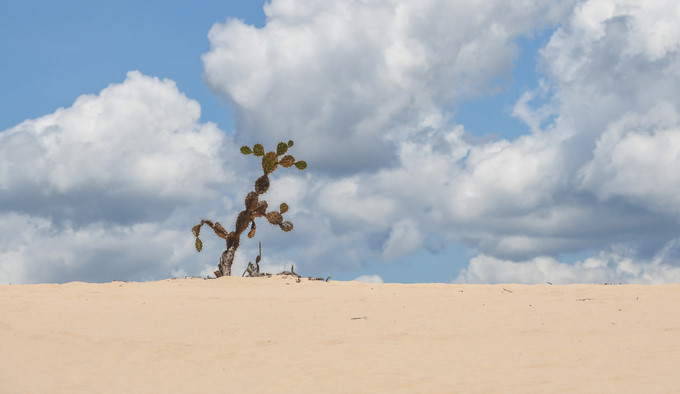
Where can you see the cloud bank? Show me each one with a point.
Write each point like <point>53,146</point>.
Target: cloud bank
<point>93,191</point>
<point>369,92</point>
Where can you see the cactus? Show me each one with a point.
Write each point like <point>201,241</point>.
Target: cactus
<point>254,208</point>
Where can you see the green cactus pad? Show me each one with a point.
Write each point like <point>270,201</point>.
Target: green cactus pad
<point>258,149</point>
<point>269,162</point>
<point>283,208</point>
<point>290,143</point>
<point>199,244</point>
<point>301,165</point>
<point>281,148</point>
<point>246,150</point>
<point>287,161</point>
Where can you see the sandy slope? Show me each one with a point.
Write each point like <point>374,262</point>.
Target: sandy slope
<point>276,335</point>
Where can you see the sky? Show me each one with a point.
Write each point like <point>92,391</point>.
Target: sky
<point>446,141</point>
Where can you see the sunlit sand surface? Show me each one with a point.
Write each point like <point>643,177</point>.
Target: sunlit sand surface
<point>279,335</point>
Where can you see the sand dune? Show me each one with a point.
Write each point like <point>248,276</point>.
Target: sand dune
<point>278,335</point>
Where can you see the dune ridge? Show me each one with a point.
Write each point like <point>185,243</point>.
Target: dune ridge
<point>276,334</point>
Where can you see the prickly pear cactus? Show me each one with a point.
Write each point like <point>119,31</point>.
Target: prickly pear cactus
<point>254,208</point>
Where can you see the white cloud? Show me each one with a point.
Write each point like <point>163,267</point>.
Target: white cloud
<point>127,154</point>
<point>405,238</point>
<point>34,249</point>
<point>613,144</point>
<point>350,80</point>
<point>342,201</point>
<point>99,190</point>
<point>367,90</point>
<point>652,25</point>
<point>614,266</point>
<point>638,158</point>
<point>533,117</point>
<point>614,57</point>
<point>518,176</point>
<point>369,279</point>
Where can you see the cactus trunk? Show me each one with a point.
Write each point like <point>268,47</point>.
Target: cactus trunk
<point>224,267</point>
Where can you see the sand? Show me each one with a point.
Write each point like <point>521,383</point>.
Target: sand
<point>277,335</point>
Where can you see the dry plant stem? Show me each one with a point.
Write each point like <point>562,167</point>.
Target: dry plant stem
<point>224,268</point>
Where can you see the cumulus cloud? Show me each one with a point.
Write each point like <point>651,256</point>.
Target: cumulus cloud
<point>637,158</point>
<point>34,249</point>
<point>128,154</point>
<point>350,79</point>
<point>368,90</point>
<point>611,58</point>
<point>614,80</point>
<point>615,266</point>
<point>369,279</point>
<point>96,191</point>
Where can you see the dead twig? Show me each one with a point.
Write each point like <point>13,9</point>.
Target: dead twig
<point>325,280</point>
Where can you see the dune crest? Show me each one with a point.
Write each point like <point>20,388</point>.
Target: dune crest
<point>275,334</point>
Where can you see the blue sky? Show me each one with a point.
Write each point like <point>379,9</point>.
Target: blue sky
<point>445,142</point>
<point>55,51</point>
